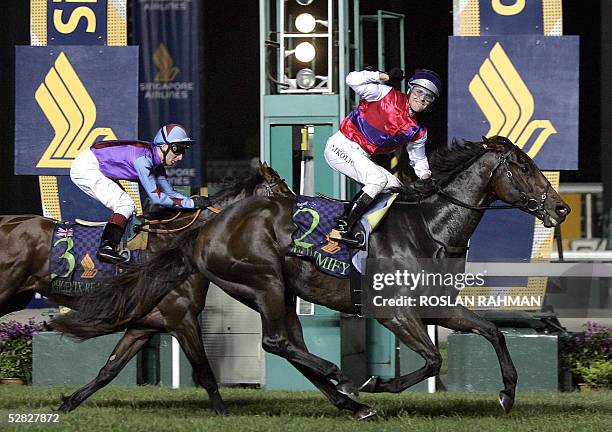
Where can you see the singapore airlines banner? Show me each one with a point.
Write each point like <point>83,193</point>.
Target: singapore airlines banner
<point>524,87</point>
<point>65,103</point>
<point>169,91</point>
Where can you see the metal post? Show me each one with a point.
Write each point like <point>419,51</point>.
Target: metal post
<point>381,40</point>
<point>263,85</point>
<point>176,363</point>
<point>589,215</point>
<point>402,53</point>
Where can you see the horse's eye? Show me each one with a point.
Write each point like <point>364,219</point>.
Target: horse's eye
<point>524,168</point>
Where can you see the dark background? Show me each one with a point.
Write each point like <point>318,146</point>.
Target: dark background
<point>230,76</point>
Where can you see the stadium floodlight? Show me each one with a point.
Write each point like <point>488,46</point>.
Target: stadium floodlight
<point>305,23</point>
<point>305,78</point>
<point>306,46</point>
<point>304,52</point>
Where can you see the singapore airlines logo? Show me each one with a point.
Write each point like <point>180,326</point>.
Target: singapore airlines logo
<point>165,64</point>
<point>64,100</point>
<point>507,103</point>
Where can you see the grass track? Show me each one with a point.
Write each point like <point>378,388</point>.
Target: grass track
<point>162,409</point>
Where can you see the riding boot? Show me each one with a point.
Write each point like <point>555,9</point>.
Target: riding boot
<point>344,230</point>
<point>111,237</point>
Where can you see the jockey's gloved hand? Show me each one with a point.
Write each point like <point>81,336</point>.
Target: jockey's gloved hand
<point>396,74</point>
<point>424,186</point>
<point>201,202</point>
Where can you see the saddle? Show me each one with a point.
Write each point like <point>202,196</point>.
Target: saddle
<point>315,217</point>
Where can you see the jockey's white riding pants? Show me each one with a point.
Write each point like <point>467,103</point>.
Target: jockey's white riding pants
<point>85,173</point>
<point>350,159</point>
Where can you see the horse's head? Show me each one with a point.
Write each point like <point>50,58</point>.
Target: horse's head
<point>517,180</point>
<point>274,184</point>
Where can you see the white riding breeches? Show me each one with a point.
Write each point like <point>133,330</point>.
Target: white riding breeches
<point>85,173</point>
<point>350,159</point>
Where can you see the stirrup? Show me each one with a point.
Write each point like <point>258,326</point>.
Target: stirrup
<point>109,255</point>
<point>352,240</point>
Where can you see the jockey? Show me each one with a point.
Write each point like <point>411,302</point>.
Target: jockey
<point>384,120</point>
<point>96,172</point>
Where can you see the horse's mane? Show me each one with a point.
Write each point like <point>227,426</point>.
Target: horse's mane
<point>445,163</point>
<point>232,186</point>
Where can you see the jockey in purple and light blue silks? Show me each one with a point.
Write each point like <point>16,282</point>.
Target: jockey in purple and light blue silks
<point>96,172</point>
<point>384,120</point>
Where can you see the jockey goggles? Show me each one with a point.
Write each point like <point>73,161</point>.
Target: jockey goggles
<point>178,147</point>
<point>422,93</point>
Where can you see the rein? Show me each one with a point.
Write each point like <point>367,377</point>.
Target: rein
<point>150,223</point>
<point>269,186</point>
<point>531,203</point>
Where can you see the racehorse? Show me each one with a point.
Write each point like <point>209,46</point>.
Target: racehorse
<point>242,250</point>
<point>24,270</point>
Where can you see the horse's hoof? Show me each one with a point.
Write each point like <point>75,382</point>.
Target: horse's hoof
<point>220,410</point>
<point>365,413</point>
<point>348,389</point>
<point>370,385</point>
<point>506,401</point>
<point>64,408</point>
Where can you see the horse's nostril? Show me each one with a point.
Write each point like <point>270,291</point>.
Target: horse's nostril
<point>562,210</point>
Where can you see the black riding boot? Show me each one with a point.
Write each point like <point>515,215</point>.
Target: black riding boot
<point>344,230</point>
<point>111,237</point>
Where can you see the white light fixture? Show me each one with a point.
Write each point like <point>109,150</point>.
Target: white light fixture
<point>305,79</point>
<point>305,52</point>
<point>304,2</point>
<point>305,23</point>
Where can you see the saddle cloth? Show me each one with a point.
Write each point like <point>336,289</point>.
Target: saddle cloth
<point>315,217</point>
<point>74,269</point>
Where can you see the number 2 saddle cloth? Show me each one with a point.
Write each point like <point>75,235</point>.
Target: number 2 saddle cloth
<point>315,217</point>
<point>74,269</point>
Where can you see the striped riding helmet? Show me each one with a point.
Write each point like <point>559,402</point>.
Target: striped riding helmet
<point>172,134</point>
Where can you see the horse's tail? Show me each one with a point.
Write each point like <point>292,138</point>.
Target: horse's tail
<point>131,295</point>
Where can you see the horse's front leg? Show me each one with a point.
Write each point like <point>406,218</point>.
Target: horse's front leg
<point>128,346</point>
<point>186,329</point>
<point>410,330</point>
<point>460,318</point>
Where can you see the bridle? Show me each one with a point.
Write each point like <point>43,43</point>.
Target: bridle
<point>270,185</point>
<point>529,203</point>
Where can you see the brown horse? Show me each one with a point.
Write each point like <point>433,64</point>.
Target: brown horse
<point>24,270</point>
<point>243,252</point>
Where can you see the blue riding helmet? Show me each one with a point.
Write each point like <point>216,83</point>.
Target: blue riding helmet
<point>428,80</point>
<point>172,134</point>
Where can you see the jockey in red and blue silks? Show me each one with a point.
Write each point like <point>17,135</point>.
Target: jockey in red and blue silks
<point>96,172</point>
<point>384,120</point>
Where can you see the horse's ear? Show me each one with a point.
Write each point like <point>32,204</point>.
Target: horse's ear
<point>485,141</point>
<point>454,142</point>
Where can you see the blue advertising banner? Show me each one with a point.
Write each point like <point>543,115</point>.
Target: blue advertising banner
<point>65,101</point>
<point>511,17</point>
<point>76,23</point>
<point>509,85</point>
<point>169,91</point>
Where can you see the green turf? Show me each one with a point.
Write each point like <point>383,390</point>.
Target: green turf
<point>152,409</point>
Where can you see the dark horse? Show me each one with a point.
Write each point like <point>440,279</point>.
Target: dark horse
<point>24,270</point>
<point>243,250</point>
